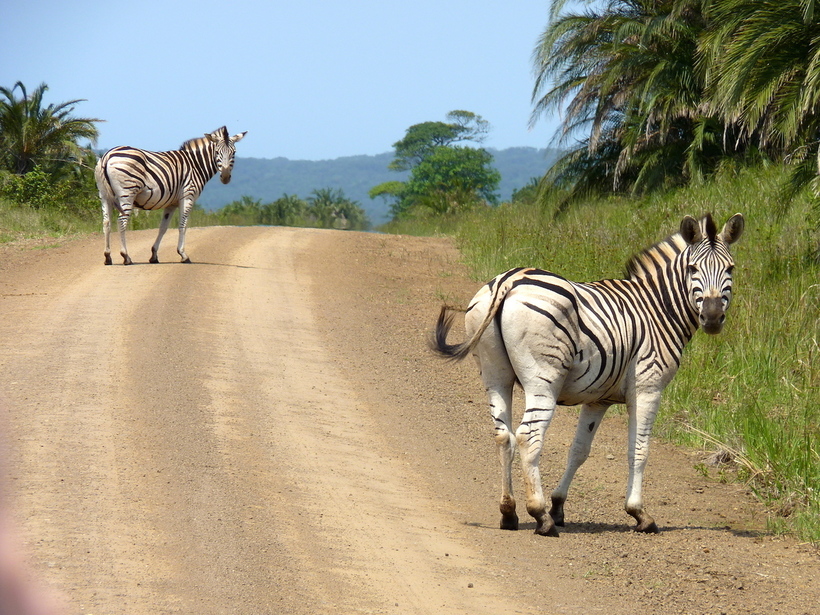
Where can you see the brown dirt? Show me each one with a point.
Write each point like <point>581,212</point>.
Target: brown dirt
<point>264,431</point>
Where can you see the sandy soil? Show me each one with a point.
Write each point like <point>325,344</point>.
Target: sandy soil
<point>264,431</point>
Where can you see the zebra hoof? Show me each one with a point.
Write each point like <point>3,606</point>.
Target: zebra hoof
<point>557,512</point>
<point>108,260</point>
<point>186,260</point>
<point>153,260</point>
<point>648,528</point>
<point>509,522</point>
<point>546,528</point>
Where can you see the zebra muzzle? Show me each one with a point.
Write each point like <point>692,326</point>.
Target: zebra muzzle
<point>712,316</point>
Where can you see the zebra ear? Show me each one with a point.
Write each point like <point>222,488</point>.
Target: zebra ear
<point>238,137</point>
<point>213,137</point>
<point>733,229</point>
<point>690,230</point>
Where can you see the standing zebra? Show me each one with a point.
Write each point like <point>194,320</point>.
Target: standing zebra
<point>128,177</point>
<point>597,344</point>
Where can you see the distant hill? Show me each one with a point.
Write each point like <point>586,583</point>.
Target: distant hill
<point>267,179</point>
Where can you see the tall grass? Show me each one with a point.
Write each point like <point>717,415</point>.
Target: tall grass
<point>22,222</point>
<point>751,393</point>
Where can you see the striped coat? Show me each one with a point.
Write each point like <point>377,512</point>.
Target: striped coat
<point>595,344</point>
<point>128,177</point>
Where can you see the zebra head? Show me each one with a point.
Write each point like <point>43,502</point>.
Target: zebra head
<point>709,270</point>
<point>224,151</point>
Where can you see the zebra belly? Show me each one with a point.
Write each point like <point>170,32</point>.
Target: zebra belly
<point>149,199</point>
<point>581,388</point>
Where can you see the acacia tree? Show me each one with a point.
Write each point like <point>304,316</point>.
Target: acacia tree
<point>34,134</point>
<point>444,176</point>
<point>421,139</point>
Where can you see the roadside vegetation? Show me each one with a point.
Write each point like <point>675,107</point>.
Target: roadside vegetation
<point>670,107</point>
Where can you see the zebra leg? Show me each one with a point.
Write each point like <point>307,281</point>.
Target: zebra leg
<point>106,211</point>
<point>530,437</point>
<point>163,226</point>
<point>122,221</point>
<point>501,408</point>
<point>499,379</point>
<point>588,422</point>
<point>183,225</point>
<point>642,412</point>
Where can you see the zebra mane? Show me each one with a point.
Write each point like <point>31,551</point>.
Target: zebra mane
<point>192,143</point>
<point>646,261</point>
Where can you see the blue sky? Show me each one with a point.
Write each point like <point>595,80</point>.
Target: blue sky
<point>308,79</point>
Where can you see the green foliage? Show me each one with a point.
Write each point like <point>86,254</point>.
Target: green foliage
<point>421,140</point>
<point>33,135</point>
<point>661,94</point>
<point>450,179</point>
<point>444,177</point>
<point>325,208</point>
<point>329,208</point>
<point>38,189</point>
<point>287,210</point>
<point>527,195</point>
<point>751,393</point>
<point>42,165</point>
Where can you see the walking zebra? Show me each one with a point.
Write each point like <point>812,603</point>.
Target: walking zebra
<point>128,177</point>
<point>597,344</point>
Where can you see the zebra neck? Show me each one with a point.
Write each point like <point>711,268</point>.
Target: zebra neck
<point>671,304</point>
<point>203,158</point>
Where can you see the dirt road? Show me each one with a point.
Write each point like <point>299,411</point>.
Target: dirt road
<point>264,431</point>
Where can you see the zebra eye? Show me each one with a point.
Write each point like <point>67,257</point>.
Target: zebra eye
<point>730,269</point>
<point>692,269</point>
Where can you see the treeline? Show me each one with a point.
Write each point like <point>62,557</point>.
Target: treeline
<point>269,178</point>
<point>324,208</point>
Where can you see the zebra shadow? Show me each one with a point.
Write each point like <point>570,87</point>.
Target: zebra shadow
<point>199,263</point>
<point>590,527</point>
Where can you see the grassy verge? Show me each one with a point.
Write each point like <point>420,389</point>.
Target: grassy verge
<point>751,394</point>
<point>18,222</point>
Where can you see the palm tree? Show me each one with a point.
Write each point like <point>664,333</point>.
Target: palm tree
<point>627,79</point>
<point>330,208</point>
<point>285,211</point>
<point>765,76</point>
<point>32,134</point>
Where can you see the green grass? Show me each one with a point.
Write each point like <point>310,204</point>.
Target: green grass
<point>18,223</point>
<point>752,392</point>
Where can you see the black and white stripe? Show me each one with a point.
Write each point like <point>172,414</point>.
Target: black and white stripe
<point>128,177</point>
<point>594,344</point>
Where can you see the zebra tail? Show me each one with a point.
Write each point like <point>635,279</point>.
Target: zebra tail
<point>456,352</point>
<point>438,339</point>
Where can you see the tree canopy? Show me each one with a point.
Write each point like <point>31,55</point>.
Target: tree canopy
<point>32,133</point>
<point>659,93</point>
<point>421,139</point>
<point>444,176</point>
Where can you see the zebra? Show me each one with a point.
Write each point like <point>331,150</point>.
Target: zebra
<point>595,344</point>
<point>128,177</point>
